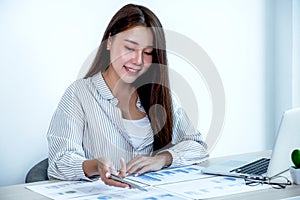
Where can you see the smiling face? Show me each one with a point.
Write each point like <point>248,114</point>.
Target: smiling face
<point>130,53</point>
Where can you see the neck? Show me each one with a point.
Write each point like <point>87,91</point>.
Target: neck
<point>126,94</point>
<point>119,88</point>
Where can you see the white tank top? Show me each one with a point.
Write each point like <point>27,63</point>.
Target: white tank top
<point>138,130</point>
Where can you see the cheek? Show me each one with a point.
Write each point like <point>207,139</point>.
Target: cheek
<point>120,56</point>
<point>113,56</point>
<point>146,67</point>
<point>148,60</point>
<point>147,63</point>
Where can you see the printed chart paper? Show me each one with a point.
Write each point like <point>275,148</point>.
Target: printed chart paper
<point>173,175</point>
<point>82,190</point>
<point>150,194</point>
<point>72,189</point>
<point>211,187</point>
<point>178,183</point>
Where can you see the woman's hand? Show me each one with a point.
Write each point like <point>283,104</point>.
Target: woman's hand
<point>105,168</point>
<point>142,164</point>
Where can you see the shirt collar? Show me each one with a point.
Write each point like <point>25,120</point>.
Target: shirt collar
<point>106,93</point>
<point>103,88</point>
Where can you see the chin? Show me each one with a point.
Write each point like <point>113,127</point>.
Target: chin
<point>128,80</point>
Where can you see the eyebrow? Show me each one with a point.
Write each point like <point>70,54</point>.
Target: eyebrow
<point>136,43</point>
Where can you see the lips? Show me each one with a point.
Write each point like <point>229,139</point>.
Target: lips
<point>131,70</point>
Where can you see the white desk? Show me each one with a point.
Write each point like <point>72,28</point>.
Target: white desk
<point>17,192</point>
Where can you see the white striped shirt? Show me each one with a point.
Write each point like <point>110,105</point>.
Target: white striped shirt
<point>87,124</point>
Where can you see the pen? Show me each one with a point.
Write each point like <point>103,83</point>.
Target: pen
<point>117,178</point>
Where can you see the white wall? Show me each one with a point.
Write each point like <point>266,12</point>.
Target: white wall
<point>296,52</point>
<point>44,43</point>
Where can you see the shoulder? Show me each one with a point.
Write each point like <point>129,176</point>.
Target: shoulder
<point>78,87</point>
<point>79,84</point>
<point>175,103</point>
<point>75,92</point>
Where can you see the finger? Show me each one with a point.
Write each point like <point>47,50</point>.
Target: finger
<point>104,174</point>
<point>109,181</point>
<point>122,173</point>
<point>134,160</point>
<point>132,165</point>
<point>137,165</point>
<point>143,170</point>
<point>106,168</point>
<point>111,168</point>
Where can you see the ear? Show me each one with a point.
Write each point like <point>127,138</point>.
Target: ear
<point>109,40</point>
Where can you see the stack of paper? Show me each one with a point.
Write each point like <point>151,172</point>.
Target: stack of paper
<point>178,183</point>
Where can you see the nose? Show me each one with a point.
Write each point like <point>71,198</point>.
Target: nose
<point>138,57</point>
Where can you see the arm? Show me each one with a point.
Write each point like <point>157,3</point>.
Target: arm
<point>188,146</point>
<point>64,136</point>
<point>67,159</point>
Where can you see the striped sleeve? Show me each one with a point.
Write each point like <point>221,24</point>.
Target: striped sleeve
<point>188,146</point>
<point>64,136</point>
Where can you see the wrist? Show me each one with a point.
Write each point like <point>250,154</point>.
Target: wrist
<point>167,158</point>
<point>90,167</point>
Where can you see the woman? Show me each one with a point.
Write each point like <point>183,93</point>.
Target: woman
<point>121,118</point>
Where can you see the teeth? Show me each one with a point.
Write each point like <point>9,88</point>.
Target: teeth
<point>133,70</point>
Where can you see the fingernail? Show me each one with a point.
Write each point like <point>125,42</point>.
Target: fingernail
<point>136,174</point>
<point>107,174</point>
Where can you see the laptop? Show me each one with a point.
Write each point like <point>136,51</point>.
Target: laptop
<point>288,139</point>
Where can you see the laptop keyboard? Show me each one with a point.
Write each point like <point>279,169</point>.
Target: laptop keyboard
<point>257,167</point>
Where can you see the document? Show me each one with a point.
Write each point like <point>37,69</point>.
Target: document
<point>171,175</point>
<point>72,189</point>
<point>79,190</point>
<point>211,187</point>
<point>151,194</point>
<point>178,183</point>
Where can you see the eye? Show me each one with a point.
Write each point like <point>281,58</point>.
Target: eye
<point>129,48</point>
<point>148,52</point>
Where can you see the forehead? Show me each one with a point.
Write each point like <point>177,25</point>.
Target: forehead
<point>139,35</point>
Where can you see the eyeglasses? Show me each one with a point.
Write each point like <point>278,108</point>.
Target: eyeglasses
<point>277,182</point>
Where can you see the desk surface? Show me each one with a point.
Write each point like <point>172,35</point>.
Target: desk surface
<point>16,192</point>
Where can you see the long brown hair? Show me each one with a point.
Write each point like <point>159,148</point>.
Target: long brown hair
<point>153,87</point>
